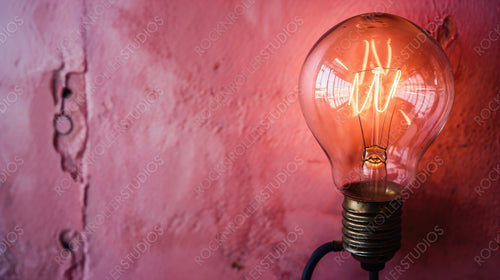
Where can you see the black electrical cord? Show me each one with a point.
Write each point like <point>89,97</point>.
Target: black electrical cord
<point>334,246</point>
<point>373,275</point>
<point>373,269</point>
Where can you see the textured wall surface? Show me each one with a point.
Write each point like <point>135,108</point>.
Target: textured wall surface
<point>190,159</point>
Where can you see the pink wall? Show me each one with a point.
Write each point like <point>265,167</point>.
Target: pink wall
<point>182,120</point>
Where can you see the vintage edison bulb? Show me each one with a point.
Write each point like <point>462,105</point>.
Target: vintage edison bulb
<point>375,91</point>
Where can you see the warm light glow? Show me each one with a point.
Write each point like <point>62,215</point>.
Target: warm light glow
<point>373,105</point>
<point>365,59</point>
<point>375,53</point>
<point>375,85</point>
<point>375,88</point>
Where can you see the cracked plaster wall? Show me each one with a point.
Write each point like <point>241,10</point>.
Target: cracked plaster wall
<point>179,125</point>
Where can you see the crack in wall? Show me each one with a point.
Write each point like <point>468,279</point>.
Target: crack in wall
<point>67,239</point>
<point>71,78</point>
<point>71,148</point>
<point>86,187</point>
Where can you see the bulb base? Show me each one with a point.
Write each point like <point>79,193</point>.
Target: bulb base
<point>371,230</point>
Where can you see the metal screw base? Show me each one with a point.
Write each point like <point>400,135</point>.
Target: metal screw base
<point>372,230</point>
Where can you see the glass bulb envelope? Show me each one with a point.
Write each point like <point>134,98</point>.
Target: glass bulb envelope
<point>375,91</point>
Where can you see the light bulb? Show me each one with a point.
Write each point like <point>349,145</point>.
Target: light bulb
<point>375,91</point>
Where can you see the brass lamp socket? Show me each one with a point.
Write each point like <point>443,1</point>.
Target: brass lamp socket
<point>371,230</point>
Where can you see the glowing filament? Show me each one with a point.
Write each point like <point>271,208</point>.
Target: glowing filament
<point>375,88</point>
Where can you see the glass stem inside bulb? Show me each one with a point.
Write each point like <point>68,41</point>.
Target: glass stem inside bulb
<point>374,169</point>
